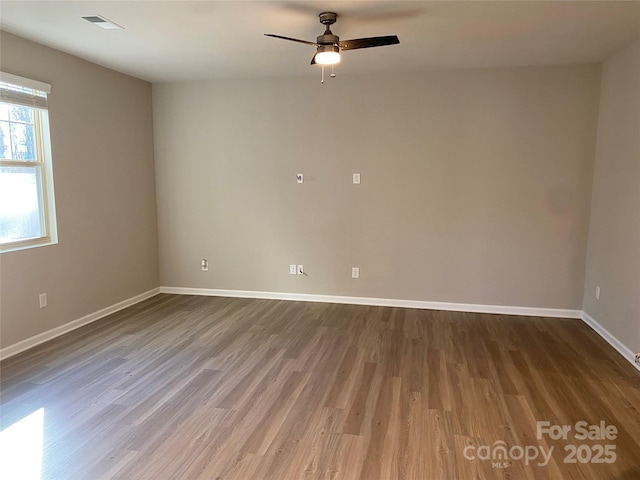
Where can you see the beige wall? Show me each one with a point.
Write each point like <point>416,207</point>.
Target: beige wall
<point>475,184</point>
<point>613,261</point>
<point>102,145</point>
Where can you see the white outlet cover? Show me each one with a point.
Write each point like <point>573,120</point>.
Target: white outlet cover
<point>293,269</point>
<point>356,179</point>
<point>355,272</point>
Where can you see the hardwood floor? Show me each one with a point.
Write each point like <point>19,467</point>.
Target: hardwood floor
<point>185,387</point>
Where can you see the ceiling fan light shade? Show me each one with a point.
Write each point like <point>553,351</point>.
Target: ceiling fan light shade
<point>327,55</point>
<point>327,58</point>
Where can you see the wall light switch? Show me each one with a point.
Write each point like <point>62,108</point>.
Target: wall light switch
<point>300,269</point>
<point>204,265</point>
<point>356,179</point>
<point>299,178</point>
<point>355,272</point>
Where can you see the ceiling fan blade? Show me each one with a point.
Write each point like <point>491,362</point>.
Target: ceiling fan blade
<point>291,39</point>
<point>313,60</point>
<point>369,42</point>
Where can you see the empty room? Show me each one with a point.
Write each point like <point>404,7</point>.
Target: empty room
<point>319,240</point>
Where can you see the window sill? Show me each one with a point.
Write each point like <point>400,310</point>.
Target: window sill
<point>25,245</point>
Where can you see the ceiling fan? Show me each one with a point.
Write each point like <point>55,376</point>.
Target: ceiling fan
<point>328,46</point>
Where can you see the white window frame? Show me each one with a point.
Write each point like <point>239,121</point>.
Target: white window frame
<point>43,162</point>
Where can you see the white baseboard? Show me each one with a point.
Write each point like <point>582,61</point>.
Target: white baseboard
<point>67,327</point>
<point>610,339</point>
<point>379,302</point>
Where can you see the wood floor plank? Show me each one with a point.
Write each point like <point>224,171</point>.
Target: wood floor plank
<point>355,419</point>
<point>319,446</point>
<point>190,387</point>
<point>374,462</point>
<point>265,431</point>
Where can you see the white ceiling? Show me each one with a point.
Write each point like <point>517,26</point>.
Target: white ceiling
<point>165,41</point>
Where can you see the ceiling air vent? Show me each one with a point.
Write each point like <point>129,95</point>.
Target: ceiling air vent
<point>102,22</point>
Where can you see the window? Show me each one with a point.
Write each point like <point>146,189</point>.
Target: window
<point>27,210</point>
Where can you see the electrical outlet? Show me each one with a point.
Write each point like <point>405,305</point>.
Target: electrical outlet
<point>355,272</point>
<point>293,269</point>
<point>300,269</point>
<point>204,265</point>
<point>43,300</point>
<point>356,179</point>
<point>597,292</point>
<point>637,358</point>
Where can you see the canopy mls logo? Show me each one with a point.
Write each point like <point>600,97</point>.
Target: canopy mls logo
<point>501,455</point>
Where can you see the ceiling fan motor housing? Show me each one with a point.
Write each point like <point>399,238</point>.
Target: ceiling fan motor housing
<point>327,39</point>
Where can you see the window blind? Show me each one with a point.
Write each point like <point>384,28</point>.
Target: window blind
<point>23,91</point>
